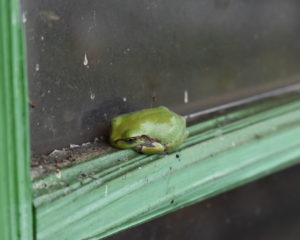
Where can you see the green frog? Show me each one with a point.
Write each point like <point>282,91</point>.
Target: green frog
<point>149,131</point>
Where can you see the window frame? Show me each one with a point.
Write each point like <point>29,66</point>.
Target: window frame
<point>126,188</point>
<point>16,213</point>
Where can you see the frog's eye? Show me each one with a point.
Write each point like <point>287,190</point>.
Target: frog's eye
<point>130,140</point>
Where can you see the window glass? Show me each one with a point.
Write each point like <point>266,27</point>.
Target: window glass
<point>92,60</point>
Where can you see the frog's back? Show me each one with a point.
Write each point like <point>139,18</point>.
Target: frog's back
<point>162,124</point>
<point>140,122</point>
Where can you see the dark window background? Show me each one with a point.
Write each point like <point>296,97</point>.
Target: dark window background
<point>91,60</point>
<point>267,209</point>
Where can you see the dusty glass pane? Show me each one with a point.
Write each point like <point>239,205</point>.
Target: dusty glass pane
<point>91,60</point>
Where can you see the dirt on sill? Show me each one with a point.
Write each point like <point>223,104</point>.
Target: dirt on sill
<point>46,164</point>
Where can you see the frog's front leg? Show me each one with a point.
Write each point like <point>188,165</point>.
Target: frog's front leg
<point>154,147</point>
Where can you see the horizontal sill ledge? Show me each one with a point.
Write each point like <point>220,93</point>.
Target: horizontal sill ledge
<point>124,188</point>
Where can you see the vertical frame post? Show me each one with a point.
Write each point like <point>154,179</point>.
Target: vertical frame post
<point>15,186</point>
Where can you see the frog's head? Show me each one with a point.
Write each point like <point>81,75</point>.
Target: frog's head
<point>143,144</point>
<point>124,138</point>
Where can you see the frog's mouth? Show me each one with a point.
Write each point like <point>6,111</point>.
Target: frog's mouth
<point>139,141</point>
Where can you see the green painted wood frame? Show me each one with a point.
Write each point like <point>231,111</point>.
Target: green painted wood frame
<point>123,188</point>
<point>15,185</point>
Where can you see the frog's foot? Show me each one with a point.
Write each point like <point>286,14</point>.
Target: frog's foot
<point>150,146</point>
<point>151,149</point>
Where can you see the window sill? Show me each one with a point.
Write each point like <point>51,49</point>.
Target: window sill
<point>123,188</point>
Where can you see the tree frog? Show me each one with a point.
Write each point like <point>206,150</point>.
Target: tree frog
<point>149,131</point>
